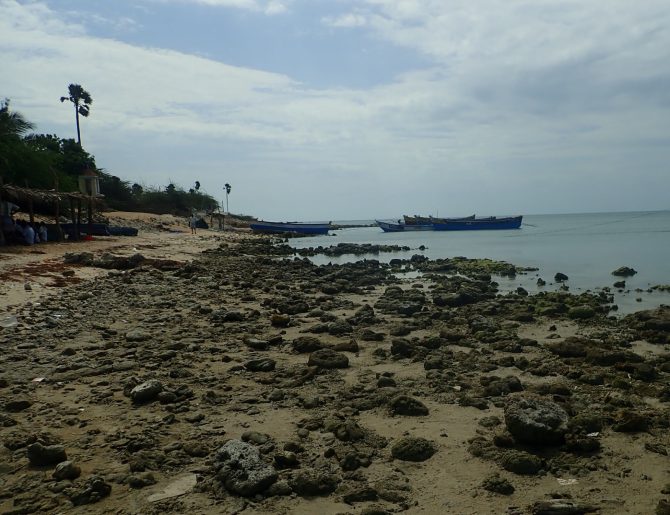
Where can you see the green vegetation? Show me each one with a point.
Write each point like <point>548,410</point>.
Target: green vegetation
<point>45,161</point>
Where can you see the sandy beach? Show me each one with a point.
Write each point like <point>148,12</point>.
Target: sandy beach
<point>219,373</point>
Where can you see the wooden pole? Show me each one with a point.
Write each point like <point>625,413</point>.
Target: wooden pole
<point>78,229</point>
<point>90,216</point>
<point>2,232</point>
<point>59,230</point>
<point>73,215</point>
<point>31,211</point>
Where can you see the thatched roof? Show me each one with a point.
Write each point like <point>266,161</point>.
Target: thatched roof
<point>28,194</point>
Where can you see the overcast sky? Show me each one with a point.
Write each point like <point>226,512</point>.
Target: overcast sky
<point>339,109</point>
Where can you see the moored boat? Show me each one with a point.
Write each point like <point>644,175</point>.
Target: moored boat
<point>291,227</point>
<point>474,224</point>
<point>427,220</point>
<point>400,227</point>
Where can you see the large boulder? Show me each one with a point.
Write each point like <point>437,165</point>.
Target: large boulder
<point>536,421</point>
<point>241,469</point>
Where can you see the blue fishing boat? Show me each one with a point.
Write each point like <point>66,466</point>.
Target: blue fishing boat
<point>475,224</point>
<point>400,227</point>
<point>290,227</point>
<point>428,220</point>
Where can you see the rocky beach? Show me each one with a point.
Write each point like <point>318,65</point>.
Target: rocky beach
<point>224,373</point>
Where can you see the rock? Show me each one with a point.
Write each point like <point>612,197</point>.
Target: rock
<point>619,284</point>
<point>260,365</point>
<point>402,347</point>
<point>339,327</point>
<point>304,344</point>
<point>386,382</point>
<point>240,468</point>
<point>571,347</point>
<point>350,346</point>
<point>581,312</point>
<point>278,320</point>
<point>536,421</point>
<point>560,277</point>
<point>255,437</point>
<point>311,483</point>
<point>16,405</point>
<point>40,455</point>
<point>498,485</point>
<point>141,480</point>
<point>146,392</point>
<point>257,344</point>
<point>520,462</point>
<point>561,507</point>
<point>663,507</point>
<point>408,406</point>
<point>137,335</point>
<point>67,470</point>
<point>541,282</point>
<point>413,449</point>
<point>328,358</point>
<point>94,490</point>
<point>624,271</point>
<point>361,494</point>
<point>628,421</point>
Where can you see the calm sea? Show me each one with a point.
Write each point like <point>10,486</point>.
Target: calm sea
<point>585,247</point>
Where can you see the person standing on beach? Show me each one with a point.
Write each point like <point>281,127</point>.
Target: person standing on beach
<point>193,221</point>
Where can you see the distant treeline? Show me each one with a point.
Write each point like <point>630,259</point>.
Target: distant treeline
<point>45,161</point>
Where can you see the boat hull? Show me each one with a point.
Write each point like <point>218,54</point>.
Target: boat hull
<point>290,227</point>
<point>391,227</point>
<point>509,222</point>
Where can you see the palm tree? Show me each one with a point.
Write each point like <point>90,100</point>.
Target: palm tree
<point>12,127</point>
<point>12,124</point>
<point>82,103</point>
<point>227,187</point>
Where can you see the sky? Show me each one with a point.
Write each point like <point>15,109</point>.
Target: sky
<point>358,109</point>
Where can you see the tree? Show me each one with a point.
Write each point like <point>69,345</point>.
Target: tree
<point>137,189</point>
<point>227,187</point>
<point>81,99</point>
<point>12,127</point>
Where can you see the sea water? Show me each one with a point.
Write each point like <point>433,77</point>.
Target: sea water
<point>585,247</point>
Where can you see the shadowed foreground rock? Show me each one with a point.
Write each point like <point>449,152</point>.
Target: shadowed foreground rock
<point>241,469</point>
<point>536,421</point>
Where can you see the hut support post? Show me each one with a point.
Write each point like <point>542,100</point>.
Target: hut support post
<point>59,231</point>
<point>73,215</point>
<point>31,211</point>
<point>2,233</point>
<point>90,216</point>
<point>78,227</point>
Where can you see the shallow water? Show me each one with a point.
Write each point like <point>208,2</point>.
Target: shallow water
<point>585,247</point>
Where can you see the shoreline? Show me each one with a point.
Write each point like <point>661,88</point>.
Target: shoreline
<point>233,336</point>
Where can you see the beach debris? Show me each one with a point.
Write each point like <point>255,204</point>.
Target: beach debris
<point>179,486</point>
<point>9,321</point>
